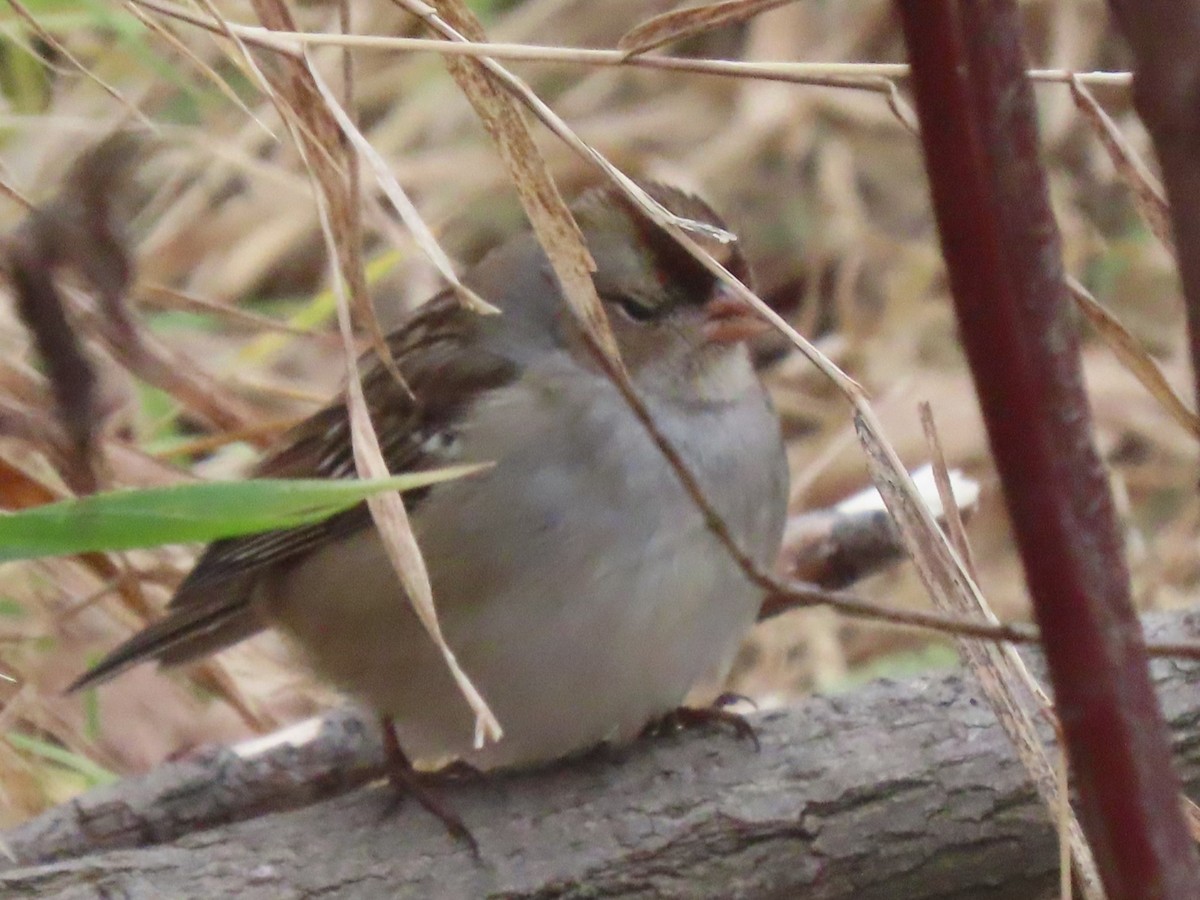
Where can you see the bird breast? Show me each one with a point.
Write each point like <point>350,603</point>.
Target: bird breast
<point>575,581</point>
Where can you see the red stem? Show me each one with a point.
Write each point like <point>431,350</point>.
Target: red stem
<point>1001,245</point>
<point>1165,38</point>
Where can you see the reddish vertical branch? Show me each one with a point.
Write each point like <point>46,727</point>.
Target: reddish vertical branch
<point>1165,38</point>
<point>1002,250</point>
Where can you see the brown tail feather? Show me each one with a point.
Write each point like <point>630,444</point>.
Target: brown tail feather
<point>186,633</point>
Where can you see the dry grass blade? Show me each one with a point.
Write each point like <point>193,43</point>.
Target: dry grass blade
<point>408,213</point>
<point>1129,350</point>
<point>1001,672</point>
<point>684,23</point>
<point>171,371</point>
<point>18,199</point>
<point>1012,673</point>
<point>210,74</point>
<point>900,107</point>
<point>547,211</point>
<point>300,103</point>
<point>940,568</point>
<point>867,76</point>
<point>161,297</point>
<point>502,113</point>
<point>316,133</point>
<point>955,527</point>
<point>545,208</point>
<point>784,596</point>
<point>390,516</point>
<point>1147,192</point>
<point>248,64</point>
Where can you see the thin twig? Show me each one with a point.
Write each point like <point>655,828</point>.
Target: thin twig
<point>788,595</point>
<point>843,74</point>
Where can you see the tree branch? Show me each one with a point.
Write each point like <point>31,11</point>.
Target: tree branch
<point>897,791</point>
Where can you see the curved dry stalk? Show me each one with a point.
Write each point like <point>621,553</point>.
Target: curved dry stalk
<point>421,232</point>
<point>1148,194</point>
<point>210,74</point>
<point>315,132</point>
<point>1133,356</point>
<point>1010,688</point>
<point>388,512</point>
<point>162,297</point>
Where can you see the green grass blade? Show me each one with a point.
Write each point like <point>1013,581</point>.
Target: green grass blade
<point>186,513</point>
<point>93,773</point>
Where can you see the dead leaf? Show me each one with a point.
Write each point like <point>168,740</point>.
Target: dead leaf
<point>684,23</point>
<point>81,228</point>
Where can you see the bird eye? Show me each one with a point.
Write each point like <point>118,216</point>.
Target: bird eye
<point>634,309</point>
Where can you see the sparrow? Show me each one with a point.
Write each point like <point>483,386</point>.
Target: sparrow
<point>575,580</point>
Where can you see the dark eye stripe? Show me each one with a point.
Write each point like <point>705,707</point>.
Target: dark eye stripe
<point>635,309</point>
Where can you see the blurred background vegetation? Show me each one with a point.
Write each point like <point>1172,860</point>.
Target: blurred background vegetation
<point>824,185</point>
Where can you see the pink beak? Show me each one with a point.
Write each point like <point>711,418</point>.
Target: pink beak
<point>729,320</point>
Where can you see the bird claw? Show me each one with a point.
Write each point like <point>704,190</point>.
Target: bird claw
<point>686,718</point>
<point>408,782</point>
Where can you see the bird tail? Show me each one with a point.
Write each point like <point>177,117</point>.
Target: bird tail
<point>190,630</point>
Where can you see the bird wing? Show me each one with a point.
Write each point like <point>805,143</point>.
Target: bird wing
<point>444,371</point>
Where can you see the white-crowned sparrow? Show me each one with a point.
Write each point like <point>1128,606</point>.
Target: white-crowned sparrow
<point>576,582</point>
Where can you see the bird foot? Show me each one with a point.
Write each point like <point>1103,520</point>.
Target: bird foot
<point>686,718</point>
<point>408,782</point>
<point>455,772</point>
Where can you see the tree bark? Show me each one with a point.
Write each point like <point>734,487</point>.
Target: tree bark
<point>896,791</point>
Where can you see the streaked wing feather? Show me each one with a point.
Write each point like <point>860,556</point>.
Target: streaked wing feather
<point>444,372</point>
